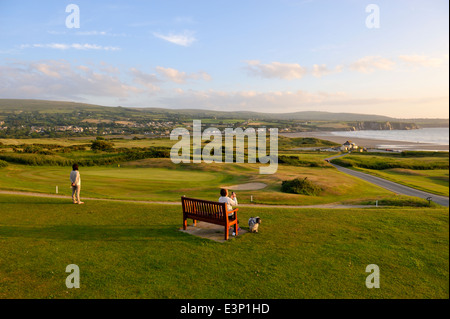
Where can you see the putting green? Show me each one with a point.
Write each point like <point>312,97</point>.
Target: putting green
<point>155,174</point>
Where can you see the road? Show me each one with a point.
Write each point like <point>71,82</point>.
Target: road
<point>393,187</point>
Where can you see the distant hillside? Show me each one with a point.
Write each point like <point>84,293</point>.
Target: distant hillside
<point>43,106</point>
<point>14,105</point>
<point>303,116</point>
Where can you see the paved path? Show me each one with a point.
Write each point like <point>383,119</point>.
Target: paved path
<point>329,206</point>
<point>392,186</point>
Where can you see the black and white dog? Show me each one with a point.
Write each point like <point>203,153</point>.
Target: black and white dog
<point>253,223</point>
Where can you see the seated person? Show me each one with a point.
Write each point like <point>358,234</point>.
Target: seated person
<point>231,201</point>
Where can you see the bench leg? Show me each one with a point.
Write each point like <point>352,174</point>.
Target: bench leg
<point>227,228</point>
<point>236,227</point>
<point>184,223</point>
<point>195,223</point>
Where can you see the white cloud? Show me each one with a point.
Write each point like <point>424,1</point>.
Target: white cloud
<point>321,70</point>
<point>64,46</point>
<point>107,68</point>
<point>421,61</point>
<point>50,79</point>
<point>145,79</point>
<point>286,71</point>
<point>99,33</point>
<point>172,74</point>
<point>64,80</point>
<point>184,39</point>
<point>91,33</point>
<point>49,70</point>
<point>295,101</point>
<point>181,77</point>
<point>272,102</point>
<point>369,64</point>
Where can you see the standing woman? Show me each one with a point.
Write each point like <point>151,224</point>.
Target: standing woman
<point>75,179</point>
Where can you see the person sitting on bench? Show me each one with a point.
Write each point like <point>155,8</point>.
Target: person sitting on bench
<point>231,201</point>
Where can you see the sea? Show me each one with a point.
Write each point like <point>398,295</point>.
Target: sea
<point>435,136</point>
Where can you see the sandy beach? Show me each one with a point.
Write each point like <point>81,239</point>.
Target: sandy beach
<point>372,143</point>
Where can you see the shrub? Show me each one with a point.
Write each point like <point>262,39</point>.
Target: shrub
<point>296,161</point>
<point>403,201</point>
<point>137,154</point>
<point>424,154</point>
<point>123,155</point>
<point>381,163</point>
<point>99,145</point>
<point>3,164</point>
<point>31,149</point>
<point>300,186</point>
<point>35,159</point>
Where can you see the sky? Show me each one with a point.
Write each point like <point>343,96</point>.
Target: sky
<point>386,57</point>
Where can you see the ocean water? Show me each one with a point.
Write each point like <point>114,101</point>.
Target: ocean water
<point>436,136</point>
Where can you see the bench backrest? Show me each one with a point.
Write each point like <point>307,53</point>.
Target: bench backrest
<point>204,208</point>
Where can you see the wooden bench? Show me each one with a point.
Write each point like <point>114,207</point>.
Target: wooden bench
<point>210,212</point>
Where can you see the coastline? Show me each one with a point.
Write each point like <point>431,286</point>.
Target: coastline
<point>371,143</point>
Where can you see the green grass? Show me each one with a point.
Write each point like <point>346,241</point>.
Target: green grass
<point>284,143</point>
<point>65,141</point>
<point>136,251</point>
<point>161,180</point>
<point>379,162</point>
<point>432,181</point>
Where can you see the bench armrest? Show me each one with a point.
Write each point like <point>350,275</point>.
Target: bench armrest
<point>234,211</point>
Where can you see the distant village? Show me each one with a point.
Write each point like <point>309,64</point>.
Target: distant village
<point>156,128</point>
<point>153,128</point>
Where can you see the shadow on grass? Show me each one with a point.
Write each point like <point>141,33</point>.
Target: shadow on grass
<point>41,203</point>
<point>95,233</point>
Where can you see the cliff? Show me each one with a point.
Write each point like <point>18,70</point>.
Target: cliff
<point>370,125</point>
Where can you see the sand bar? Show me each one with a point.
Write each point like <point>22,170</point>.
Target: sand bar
<point>247,186</point>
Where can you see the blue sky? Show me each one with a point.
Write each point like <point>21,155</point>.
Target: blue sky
<point>268,56</point>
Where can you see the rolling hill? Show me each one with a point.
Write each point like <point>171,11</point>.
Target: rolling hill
<point>44,106</point>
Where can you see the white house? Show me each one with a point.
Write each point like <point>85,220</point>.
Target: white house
<point>349,146</point>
